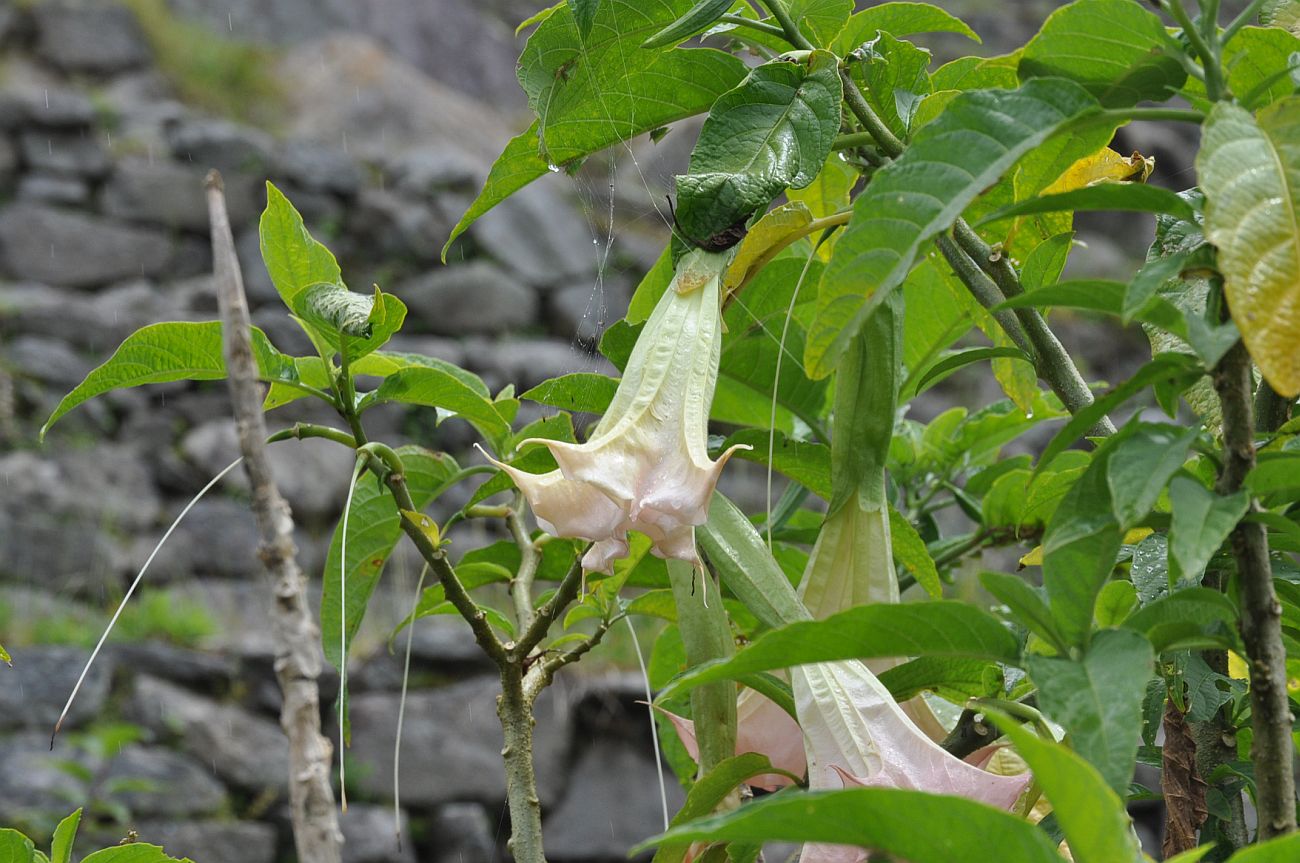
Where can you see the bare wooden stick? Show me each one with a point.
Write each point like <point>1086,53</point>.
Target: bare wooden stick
<point>296,636</point>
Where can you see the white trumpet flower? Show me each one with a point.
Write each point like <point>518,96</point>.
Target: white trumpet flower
<point>646,465</point>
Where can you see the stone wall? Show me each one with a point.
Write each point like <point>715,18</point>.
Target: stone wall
<point>103,229</point>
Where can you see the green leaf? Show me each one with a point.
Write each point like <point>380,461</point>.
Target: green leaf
<point>772,132</point>
<point>1175,619</point>
<point>1027,606</point>
<point>899,19</point>
<point>955,679</point>
<point>64,834</point>
<point>894,77</point>
<point>435,387</point>
<point>1275,472</point>
<point>1098,699</point>
<point>1261,63</point>
<point>579,392</point>
<point>909,550</point>
<point>4,656</point>
<point>381,364</point>
<point>1250,173</point>
<point>136,852</point>
<point>517,166</point>
<point>935,628</point>
<point>708,792</point>
<point>1091,814</point>
<point>1141,465</point>
<point>15,847</point>
<point>961,359</point>
<point>696,20</point>
<point>177,351</point>
<point>293,258</point>
<point>374,528</point>
<point>808,464</point>
<point>1283,849</point>
<point>1130,197</point>
<point>584,14</point>
<point>820,20</point>
<point>589,94</point>
<point>884,819</point>
<point>356,323</point>
<point>1079,550</point>
<point>1115,48</point>
<point>746,566</point>
<point>978,137</point>
<point>1201,522</point>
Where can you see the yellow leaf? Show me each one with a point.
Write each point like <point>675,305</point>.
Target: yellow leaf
<point>1034,558</point>
<point>1250,171</point>
<point>765,240</point>
<point>427,526</point>
<point>1103,166</point>
<point>1237,668</point>
<point>1136,535</point>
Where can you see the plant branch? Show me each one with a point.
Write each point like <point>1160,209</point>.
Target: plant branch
<point>1208,53</point>
<point>970,734</point>
<point>536,681</point>
<point>451,586</point>
<point>985,292</point>
<point>853,140</point>
<point>1244,18</point>
<point>1271,409</point>
<point>568,590</point>
<point>515,709</point>
<point>302,431</point>
<point>760,26</point>
<point>1261,613</point>
<point>792,33</point>
<point>296,637</point>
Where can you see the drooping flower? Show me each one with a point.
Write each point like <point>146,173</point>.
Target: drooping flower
<point>857,735</point>
<point>762,726</point>
<point>646,465</point>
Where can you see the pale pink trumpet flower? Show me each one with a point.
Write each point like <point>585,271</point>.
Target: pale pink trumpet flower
<point>646,465</point>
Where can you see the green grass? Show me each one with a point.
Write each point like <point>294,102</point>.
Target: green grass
<point>224,76</point>
<point>153,616</point>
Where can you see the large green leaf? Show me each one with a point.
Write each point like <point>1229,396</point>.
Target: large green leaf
<point>898,19</point>
<point>1261,63</point>
<point>771,133</point>
<point>517,166</point>
<point>1091,814</point>
<point>884,819</point>
<point>979,136</point>
<point>176,351</point>
<point>1186,618</point>
<point>64,835</point>
<point>1130,197</point>
<point>936,628</point>
<point>292,256</point>
<point>135,852</point>
<point>1283,849</point>
<point>1115,48</point>
<point>1079,550</point>
<point>15,847</point>
<point>1201,522</point>
<point>1098,699</point>
<point>1141,466</point>
<point>708,792</point>
<point>808,464</point>
<point>1250,173</point>
<point>581,391</point>
<point>435,387</point>
<point>589,94</point>
<point>895,78</point>
<point>374,527</point>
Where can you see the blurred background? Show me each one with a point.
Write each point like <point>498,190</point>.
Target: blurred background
<point>379,120</point>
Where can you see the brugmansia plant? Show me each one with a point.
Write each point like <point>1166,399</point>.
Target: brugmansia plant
<point>853,220</point>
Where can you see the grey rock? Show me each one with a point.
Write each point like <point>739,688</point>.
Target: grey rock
<point>212,841</point>
<point>218,537</point>
<point>171,785</point>
<point>540,236</point>
<point>90,39</point>
<point>368,835</point>
<point>257,281</point>
<point>111,482</point>
<point>451,744</point>
<point>54,189</point>
<point>47,360</point>
<point>462,833</point>
<point>33,692</point>
<point>46,107</point>
<point>76,154</point>
<point>423,172</point>
<point>222,145</point>
<point>68,249</point>
<point>440,645</point>
<point>474,298</point>
<point>37,782</point>
<point>392,225</point>
<point>318,168</point>
<point>612,804</point>
<point>245,750</point>
<point>172,194</point>
<point>583,312</point>
<point>193,668</point>
<point>312,474</point>
<point>8,159</point>
<point>528,362</point>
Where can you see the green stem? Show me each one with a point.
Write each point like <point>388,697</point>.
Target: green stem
<point>985,292</point>
<point>302,431</point>
<point>568,590</point>
<point>853,140</point>
<point>1250,13</point>
<point>521,586</point>
<point>1209,55</point>
<point>760,26</point>
<point>793,34</point>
